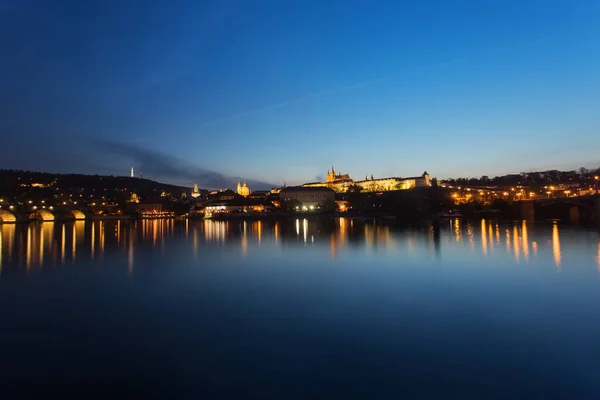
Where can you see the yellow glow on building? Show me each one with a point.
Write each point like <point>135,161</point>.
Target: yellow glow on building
<point>42,215</point>
<point>77,214</point>
<point>7,217</point>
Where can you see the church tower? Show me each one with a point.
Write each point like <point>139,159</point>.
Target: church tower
<point>239,188</point>
<point>331,175</point>
<point>245,190</point>
<point>195,191</point>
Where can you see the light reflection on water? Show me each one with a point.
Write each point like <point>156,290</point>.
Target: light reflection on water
<point>39,245</point>
<point>266,302</point>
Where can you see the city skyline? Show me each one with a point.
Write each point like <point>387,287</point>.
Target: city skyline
<point>216,92</point>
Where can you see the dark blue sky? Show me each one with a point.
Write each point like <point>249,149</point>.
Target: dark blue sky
<point>281,90</point>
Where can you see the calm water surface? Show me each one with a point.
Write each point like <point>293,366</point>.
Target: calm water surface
<point>300,310</point>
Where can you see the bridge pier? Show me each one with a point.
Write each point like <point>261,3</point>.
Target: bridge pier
<point>526,210</point>
<point>574,215</point>
<point>596,208</point>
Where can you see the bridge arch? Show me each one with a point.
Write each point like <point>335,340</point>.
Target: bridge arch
<point>41,215</point>
<point>7,217</point>
<point>76,214</point>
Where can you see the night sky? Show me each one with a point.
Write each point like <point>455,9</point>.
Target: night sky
<point>212,91</point>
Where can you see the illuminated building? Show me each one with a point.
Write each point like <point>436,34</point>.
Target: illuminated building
<point>307,197</point>
<point>133,198</point>
<point>152,209</point>
<point>341,182</point>
<point>132,174</point>
<point>229,202</point>
<point>196,191</point>
<point>243,190</point>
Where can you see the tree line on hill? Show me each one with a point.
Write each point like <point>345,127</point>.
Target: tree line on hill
<point>17,183</point>
<point>541,178</point>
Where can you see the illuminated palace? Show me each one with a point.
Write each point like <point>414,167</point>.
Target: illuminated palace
<point>341,182</point>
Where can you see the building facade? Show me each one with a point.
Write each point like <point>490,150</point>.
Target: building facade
<point>243,190</point>
<point>308,197</point>
<point>342,182</point>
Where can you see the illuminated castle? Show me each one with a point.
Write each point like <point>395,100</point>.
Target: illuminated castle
<point>339,178</point>
<point>243,190</point>
<point>341,182</point>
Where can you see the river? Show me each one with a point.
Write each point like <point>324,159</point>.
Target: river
<point>300,309</point>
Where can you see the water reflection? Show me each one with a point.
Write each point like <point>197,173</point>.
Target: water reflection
<point>525,240</point>
<point>598,258</point>
<point>556,246</point>
<point>516,242</point>
<point>484,242</point>
<point>31,247</point>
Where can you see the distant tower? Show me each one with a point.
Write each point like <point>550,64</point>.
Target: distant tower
<point>132,175</point>
<point>196,191</point>
<point>331,175</point>
<point>140,174</point>
<point>239,188</point>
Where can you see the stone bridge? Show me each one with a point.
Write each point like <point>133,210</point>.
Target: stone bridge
<point>571,208</point>
<point>42,214</point>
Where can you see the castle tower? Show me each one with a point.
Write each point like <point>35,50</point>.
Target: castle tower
<point>195,191</point>
<point>331,175</point>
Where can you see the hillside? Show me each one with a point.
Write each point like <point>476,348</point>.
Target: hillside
<point>15,184</point>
